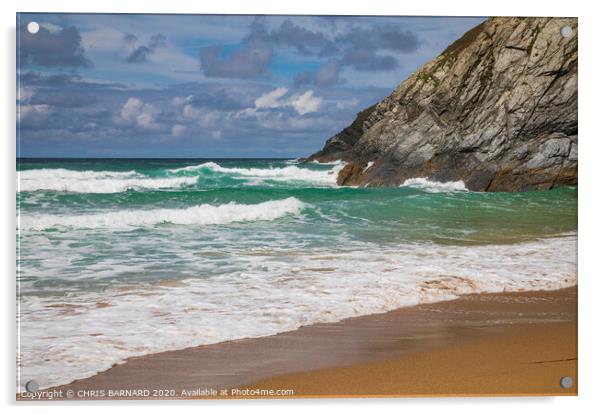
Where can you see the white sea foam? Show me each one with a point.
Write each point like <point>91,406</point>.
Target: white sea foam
<point>435,186</point>
<point>266,290</point>
<point>289,173</point>
<point>335,162</point>
<point>204,214</point>
<point>60,179</point>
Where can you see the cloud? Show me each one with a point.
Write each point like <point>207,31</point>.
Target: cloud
<point>364,46</point>
<point>191,117</point>
<point>65,83</point>
<point>65,114</point>
<point>35,113</point>
<point>327,74</point>
<point>25,93</point>
<point>302,104</point>
<point>130,40</point>
<point>306,103</point>
<point>180,101</point>
<point>58,48</point>
<point>368,60</point>
<point>216,99</point>
<point>204,117</point>
<point>387,36</point>
<point>178,130</point>
<point>104,39</point>
<point>253,61</point>
<point>363,49</point>
<point>35,78</point>
<point>270,99</point>
<point>66,99</point>
<point>137,113</point>
<point>141,53</point>
<point>303,40</point>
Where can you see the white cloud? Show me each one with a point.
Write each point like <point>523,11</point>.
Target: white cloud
<point>303,104</point>
<point>190,111</point>
<point>203,117</point>
<point>271,99</point>
<point>306,103</point>
<point>180,101</point>
<point>141,114</point>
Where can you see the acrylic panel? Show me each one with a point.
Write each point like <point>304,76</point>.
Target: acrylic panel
<point>238,206</point>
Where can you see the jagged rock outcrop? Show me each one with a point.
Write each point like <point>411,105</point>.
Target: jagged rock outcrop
<point>497,110</point>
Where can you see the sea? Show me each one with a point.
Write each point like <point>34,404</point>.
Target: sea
<point>124,257</point>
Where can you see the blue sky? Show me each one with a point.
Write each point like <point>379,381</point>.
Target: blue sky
<point>100,85</point>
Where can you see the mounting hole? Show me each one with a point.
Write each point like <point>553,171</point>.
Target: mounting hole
<point>566,31</point>
<point>566,382</point>
<point>31,386</point>
<point>33,27</point>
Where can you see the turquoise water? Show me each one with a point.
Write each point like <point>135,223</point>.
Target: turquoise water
<point>126,257</point>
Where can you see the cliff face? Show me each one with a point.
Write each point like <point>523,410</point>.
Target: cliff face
<point>497,110</point>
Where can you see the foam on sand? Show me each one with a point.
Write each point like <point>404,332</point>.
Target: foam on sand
<point>269,291</point>
<point>204,214</point>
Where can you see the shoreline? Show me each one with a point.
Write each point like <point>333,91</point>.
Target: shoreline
<point>357,348</point>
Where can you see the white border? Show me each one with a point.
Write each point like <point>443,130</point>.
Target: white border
<point>589,189</point>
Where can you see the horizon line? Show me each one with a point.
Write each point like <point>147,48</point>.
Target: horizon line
<point>159,158</point>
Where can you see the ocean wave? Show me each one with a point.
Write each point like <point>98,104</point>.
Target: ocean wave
<point>63,180</point>
<point>435,186</point>
<point>272,290</point>
<point>293,161</point>
<point>289,173</point>
<point>204,214</point>
<point>335,162</point>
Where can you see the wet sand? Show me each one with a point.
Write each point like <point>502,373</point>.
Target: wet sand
<point>525,360</point>
<point>503,343</point>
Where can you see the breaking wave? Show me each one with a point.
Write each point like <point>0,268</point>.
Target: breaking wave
<point>289,173</point>
<point>64,180</point>
<point>435,186</point>
<point>94,181</point>
<point>336,162</point>
<point>204,214</point>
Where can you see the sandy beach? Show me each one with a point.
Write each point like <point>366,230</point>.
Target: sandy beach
<point>486,344</point>
<point>521,357</point>
<point>525,360</point>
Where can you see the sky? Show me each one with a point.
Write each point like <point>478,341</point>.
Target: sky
<point>209,86</point>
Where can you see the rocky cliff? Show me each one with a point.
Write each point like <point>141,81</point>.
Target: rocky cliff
<point>497,110</point>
